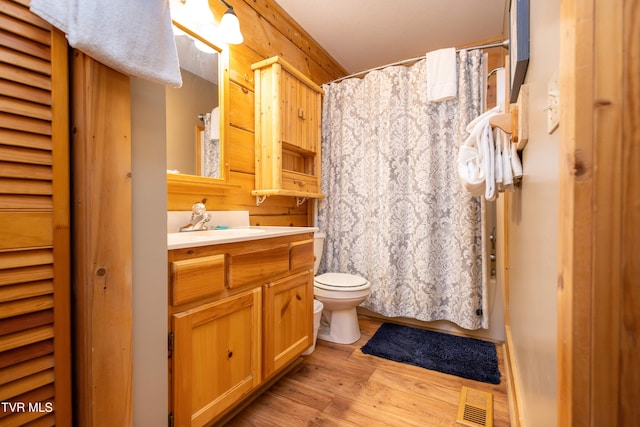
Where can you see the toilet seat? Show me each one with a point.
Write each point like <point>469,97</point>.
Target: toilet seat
<point>341,282</point>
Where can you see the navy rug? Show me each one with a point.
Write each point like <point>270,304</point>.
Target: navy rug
<point>464,357</point>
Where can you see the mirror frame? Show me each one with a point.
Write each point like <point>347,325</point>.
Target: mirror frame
<point>194,184</point>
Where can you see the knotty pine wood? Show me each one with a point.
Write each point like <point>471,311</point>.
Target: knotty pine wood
<point>629,353</point>
<point>216,357</point>
<point>288,319</point>
<point>102,240</point>
<point>241,107</point>
<point>339,385</point>
<point>598,284</point>
<point>241,149</point>
<point>268,31</point>
<point>196,278</point>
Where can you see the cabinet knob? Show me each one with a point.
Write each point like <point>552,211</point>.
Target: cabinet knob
<point>301,113</point>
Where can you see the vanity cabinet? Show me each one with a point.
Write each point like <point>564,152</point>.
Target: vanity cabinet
<point>216,356</point>
<point>287,131</point>
<point>239,314</point>
<point>286,320</point>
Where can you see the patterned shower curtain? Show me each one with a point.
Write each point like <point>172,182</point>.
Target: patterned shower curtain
<point>210,150</point>
<point>395,212</point>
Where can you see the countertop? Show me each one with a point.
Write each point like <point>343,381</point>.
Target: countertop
<point>191,239</point>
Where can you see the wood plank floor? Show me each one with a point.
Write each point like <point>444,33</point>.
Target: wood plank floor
<point>338,385</point>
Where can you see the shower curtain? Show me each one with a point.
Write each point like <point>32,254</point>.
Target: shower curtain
<point>210,149</point>
<point>394,211</point>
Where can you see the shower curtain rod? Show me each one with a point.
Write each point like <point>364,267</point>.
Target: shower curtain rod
<point>504,44</point>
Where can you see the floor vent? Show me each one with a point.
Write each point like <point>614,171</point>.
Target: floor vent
<point>475,408</point>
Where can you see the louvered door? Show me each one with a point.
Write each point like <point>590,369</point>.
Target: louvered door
<point>35,368</point>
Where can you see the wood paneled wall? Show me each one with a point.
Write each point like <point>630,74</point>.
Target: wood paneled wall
<point>35,334</point>
<point>268,31</point>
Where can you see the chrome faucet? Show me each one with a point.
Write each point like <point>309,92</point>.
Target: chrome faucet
<point>199,218</point>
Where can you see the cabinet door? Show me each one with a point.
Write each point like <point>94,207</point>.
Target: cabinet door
<point>300,106</point>
<point>216,357</point>
<point>289,108</point>
<point>288,320</point>
<point>308,125</point>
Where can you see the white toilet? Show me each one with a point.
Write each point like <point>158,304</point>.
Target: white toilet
<point>340,293</point>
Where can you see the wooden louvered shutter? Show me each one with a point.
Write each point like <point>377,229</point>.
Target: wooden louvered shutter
<point>35,361</point>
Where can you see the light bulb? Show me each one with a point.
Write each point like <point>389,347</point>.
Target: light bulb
<point>230,27</point>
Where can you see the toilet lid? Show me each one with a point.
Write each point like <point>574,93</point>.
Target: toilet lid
<point>340,280</point>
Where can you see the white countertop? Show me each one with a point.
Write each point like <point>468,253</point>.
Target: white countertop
<point>189,239</point>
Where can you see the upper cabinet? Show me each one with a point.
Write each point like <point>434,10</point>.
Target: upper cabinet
<point>287,131</point>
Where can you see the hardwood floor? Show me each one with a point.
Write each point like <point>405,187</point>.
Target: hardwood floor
<point>338,385</point>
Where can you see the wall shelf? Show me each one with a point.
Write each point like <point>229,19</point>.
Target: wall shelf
<point>515,122</point>
<point>301,196</point>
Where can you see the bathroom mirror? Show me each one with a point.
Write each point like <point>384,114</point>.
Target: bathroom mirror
<point>194,112</point>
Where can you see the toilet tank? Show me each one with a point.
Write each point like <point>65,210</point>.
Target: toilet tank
<point>318,245</point>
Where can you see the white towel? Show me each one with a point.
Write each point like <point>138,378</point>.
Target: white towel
<point>472,167</point>
<point>498,161</point>
<point>507,172</point>
<point>214,124</point>
<point>486,145</point>
<point>470,171</point>
<point>484,117</point>
<point>133,37</point>
<point>516,166</point>
<point>441,75</point>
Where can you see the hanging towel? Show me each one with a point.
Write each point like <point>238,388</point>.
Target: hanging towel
<point>441,75</point>
<point>507,173</point>
<point>214,124</point>
<point>516,166</point>
<point>488,161</point>
<point>472,166</point>
<point>498,161</point>
<point>470,171</point>
<point>133,37</point>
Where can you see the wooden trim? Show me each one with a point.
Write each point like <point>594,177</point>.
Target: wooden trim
<point>61,227</point>
<point>102,244</point>
<point>598,315</point>
<point>510,366</point>
<point>297,73</point>
<point>607,232</point>
<point>574,305</point>
<point>630,155</point>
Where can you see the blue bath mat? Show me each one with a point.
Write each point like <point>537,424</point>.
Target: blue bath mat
<point>464,357</point>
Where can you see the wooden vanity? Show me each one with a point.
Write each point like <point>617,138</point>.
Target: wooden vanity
<point>239,314</point>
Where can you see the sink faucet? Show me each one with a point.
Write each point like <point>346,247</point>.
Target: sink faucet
<point>199,218</point>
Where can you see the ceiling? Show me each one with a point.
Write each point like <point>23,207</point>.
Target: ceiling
<point>363,34</point>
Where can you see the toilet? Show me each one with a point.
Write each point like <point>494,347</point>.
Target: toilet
<point>340,294</point>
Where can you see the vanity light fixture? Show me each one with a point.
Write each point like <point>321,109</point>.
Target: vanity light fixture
<point>230,26</point>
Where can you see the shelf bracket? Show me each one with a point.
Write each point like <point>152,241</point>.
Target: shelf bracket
<point>260,199</point>
<point>300,201</point>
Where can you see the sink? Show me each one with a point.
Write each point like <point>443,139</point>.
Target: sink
<point>213,235</point>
